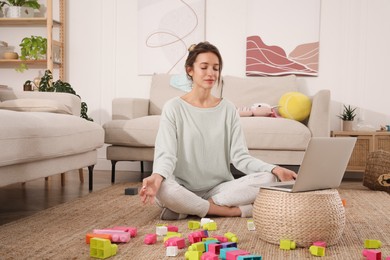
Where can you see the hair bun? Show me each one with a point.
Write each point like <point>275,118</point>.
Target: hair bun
<point>192,47</point>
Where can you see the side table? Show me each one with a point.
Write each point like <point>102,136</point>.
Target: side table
<point>366,142</point>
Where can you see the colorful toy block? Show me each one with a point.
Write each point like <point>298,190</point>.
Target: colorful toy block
<point>193,255</point>
<point>172,228</point>
<point>205,221</point>
<point>131,191</point>
<point>221,239</point>
<point>251,225</point>
<point>161,230</point>
<point>89,236</point>
<point>118,236</point>
<point>372,244</point>
<point>372,254</point>
<point>102,248</point>
<point>223,251</point>
<point>211,226</point>
<point>228,244</point>
<point>200,246</point>
<point>231,237</point>
<point>172,251</point>
<point>172,234</point>
<point>232,255</point>
<point>287,244</point>
<point>344,202</point>
<point>319,243</point>
<point>193,224</point>
<point>197,236</point>
<point>175,241</point>
<point>150,239</point>
<point>209,256</point>
<point>207,243</point>
<point>131,230</point>
<point>249,257</point>
<point>214,248</point>
<point>388,258</point>
<point>317,250</point>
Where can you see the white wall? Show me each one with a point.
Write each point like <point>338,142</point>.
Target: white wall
<point>102,55</point>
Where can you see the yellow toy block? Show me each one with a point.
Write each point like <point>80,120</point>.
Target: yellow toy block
<point>171,234</point>
<point>287,244</point>
<point>193,224</point>
<point>211,226</point>
<point>199,246</point>
<point>193,255</point>
<point>317,250</point>
<point>102,248</point>
<point>372,243</point>
<point>231,237</point>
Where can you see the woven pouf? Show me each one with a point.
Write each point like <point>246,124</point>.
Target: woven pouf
<point>303,217</point>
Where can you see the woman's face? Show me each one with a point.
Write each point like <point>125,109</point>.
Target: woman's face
<point>205,71</point>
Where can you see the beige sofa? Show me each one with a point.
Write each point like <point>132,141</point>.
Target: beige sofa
<point>131,133</point>
<point>42,134</point>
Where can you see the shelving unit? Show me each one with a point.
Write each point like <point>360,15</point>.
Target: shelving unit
<point>49,23</point>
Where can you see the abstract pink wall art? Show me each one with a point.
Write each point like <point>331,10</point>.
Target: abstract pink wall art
<point>282,37</point>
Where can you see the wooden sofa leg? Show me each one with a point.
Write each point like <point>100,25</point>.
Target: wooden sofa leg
<point>142,170</point>
<point>90,173</point>
<point>81,175</point>
<point>113,163</point>
<point>63,179</point>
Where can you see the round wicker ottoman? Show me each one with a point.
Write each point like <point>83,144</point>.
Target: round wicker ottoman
<point>303,217</point>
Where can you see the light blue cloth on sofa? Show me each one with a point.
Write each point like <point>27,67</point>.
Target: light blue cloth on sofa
<point>181,82</point>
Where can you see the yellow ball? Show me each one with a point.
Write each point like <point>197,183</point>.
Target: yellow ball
<point>294,105</point>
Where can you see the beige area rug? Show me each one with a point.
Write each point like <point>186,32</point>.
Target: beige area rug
<point>59,232</point>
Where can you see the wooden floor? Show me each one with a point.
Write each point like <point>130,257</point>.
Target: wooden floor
<point>18,201</point>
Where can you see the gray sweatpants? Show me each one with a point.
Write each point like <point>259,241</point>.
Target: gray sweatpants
<point>237,192</point>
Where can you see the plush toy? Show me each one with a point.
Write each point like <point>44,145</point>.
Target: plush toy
<point>258,109</point>
<point>295,105</point>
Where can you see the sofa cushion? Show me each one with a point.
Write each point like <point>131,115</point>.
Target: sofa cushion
<point>138,132</point>
<point>31,136</point>
<point>269,133</point>
<point>35,105</point>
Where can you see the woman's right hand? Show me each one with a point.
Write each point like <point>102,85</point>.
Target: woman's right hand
<point>150,187</point>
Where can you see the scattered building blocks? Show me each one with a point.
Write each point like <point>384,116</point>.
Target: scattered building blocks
<point>131,191</point>
<point>372,244</point>
<point>193,224</point>
<point>214,248</point>
<point>131,230</point>
<point>231,237</point>
<point>251,225</point>
<point>161,230</point>
<point>210,241</point>
<point>172,228</point>
<point>211,226</point>
<point>287,244</point>
<point>317,250</point>
<point>193,255</point>
<point>319,243</point>
<point>150,239</point>
<point>89,236</point>
<point>175,241</point>
<point>232,255</point>
<point>102,248</point>
<point>118,236</point>
<point>172,251</point>
<point>197,236</point>
<point>372,254</point>
<point>209,256</point>
<point>249,257</point>
<point>221,239</point>
<point>200,246</point>
<point>223,251</point>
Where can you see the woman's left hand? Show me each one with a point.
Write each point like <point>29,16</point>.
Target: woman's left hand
<point>284,174</point>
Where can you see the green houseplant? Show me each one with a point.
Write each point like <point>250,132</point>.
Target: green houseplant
<point>46,84</point>
<point>20,3</point>
<point>32,48</point>
<point>348,115</point>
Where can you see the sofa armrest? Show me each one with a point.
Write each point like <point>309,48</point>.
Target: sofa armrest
<point>129,108</point>
<point>319,120</point>
<point>70,100</point>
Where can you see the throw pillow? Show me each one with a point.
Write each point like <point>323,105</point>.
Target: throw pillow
<point>35,105</point>
<point>295,105</point>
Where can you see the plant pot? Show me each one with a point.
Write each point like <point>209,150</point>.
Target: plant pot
<point>19,12</point>
<point>347,125</point>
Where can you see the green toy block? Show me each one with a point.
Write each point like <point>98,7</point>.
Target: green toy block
<point>287,244</point>
<point>102,248</point>
<point>372,243</point>
<point>317,250</point>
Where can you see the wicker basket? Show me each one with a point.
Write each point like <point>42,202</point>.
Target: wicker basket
<point>377,173</point>
<point>303,217</point>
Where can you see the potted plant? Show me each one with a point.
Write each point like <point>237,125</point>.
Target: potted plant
<point>348,116</point>
<point>32,48</point>
<point>20,8</point>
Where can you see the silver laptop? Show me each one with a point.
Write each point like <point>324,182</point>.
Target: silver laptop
<point>323,165</point>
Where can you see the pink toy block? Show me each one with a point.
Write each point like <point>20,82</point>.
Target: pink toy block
<point>317,250</point>
<point>319,243</point>
<point>118,236</point>
<point>214,248</point>
<point>232,255</point>
<point>388,258</point>
<point>172,251</point>
<point>150,239</point>
<point>172,228</point>
<point>176,241</point>
<point>221,239</point>
<point>372,244</point>
<point>372,254</point>
<point>197,236</point>
<point>209,256</point>
<point>131,230</point>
